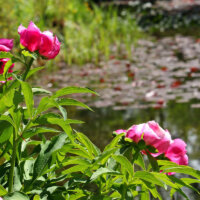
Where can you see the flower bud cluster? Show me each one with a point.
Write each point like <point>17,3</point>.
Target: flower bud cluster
<point>153,135</point>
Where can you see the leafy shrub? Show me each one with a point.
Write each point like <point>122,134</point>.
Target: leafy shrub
<point>68,165</point>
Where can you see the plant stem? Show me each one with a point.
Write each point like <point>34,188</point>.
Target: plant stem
<point>124,192</point>
<point>28,67</point>
<point>11,174</point>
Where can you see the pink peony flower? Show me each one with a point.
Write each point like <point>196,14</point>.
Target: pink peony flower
<point>177,152</point>
<point>1,198</point>
<point>49,46</point>
<point>152,134</point>
<point>3,62</point>
<point>34,40</point>
<point>6,44</point>
<point>119,131</point>
<point>30,37</point>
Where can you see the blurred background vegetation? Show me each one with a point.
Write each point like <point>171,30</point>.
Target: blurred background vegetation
<point>129,50</point>
<point>91,30</point>
<point>87,31</point>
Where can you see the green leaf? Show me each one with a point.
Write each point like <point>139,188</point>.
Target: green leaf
<point>75,161</point>
<point>47,149</point>
<point>72,90</point>
<point>102,158</point>
<point>153,162</point>
<point>114,142</point>
<point>40,91</point>
<point>17,182</point>
<point>183,183</point>
<point>33,71</point>
<point>92,149</point>
<point>4,54</point>
<point>8,119</point>
<point>28,96</point>
<point>152,188</point>
<point>5,131</point>
<point>145,194</point>
<point>16,196</point>
<point>140,161</point>
<point>72,102</point>
<point>76,168</point>
<point>29,54</point>
<point>78,195</point>
<point>6,67</point>
<point>3,191</point>
<point>34,131</point>
<point>36,197</point>
<point>80,152</point>
<point>64,124</point>
<point>181,169</point>
<point>2,78</point>
<point>102,171</point>
<point>125,163</point>
<point>148,176</point>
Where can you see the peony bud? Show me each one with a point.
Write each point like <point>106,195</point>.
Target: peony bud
<point>30,37</point>
<point>49,46</point>
<point>152,134</point>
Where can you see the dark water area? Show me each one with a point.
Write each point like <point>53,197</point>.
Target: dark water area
<point>181,120</point>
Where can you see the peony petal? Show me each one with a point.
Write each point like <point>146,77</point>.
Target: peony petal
<point>7,42</point>
<point>119,131</point>
<point>30,37</point>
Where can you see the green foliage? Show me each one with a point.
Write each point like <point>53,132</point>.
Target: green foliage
<point>67,165</point>
<point>88,32</point>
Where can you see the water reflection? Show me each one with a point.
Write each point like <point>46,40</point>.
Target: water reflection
<point>181,120</point>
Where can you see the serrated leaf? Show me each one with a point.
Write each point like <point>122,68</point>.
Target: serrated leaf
<point>72,90</point>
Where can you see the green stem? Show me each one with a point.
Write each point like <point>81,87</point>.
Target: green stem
<point>124,192</point>
<point>28,67</point>
<point>11,174</point>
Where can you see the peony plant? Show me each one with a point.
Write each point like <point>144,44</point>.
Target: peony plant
<point>68,165</point>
